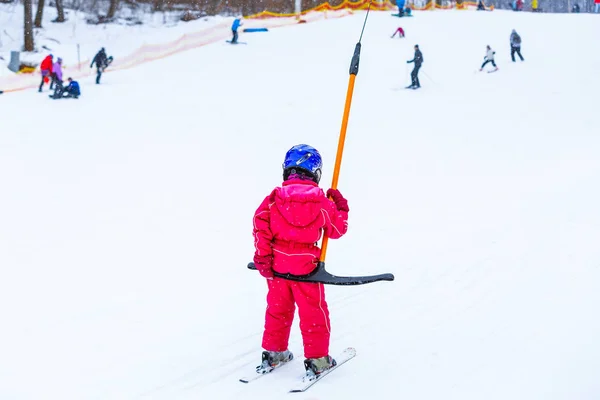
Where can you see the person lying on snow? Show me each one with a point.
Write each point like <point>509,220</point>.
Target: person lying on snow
<point>287,226</point>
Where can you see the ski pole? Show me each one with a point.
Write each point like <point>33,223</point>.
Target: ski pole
<point>428,77</point>
<point>340,149</point>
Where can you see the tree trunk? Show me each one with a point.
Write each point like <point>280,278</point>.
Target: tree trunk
<point>112,10</point>
<point>157,5</point>
<point>28,25</point>
<point>39,14</point>
<point>60,10</point>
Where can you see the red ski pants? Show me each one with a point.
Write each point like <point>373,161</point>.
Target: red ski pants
<point>314,316</point>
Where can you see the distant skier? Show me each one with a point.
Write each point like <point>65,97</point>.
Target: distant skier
<point>102,62</point>
<point>234,28</point>
<point>480,6</point>
<point>489,58</point>
<point>515,45</point>
<point>418,60</point>
<point>518,5</point>
<point>287,226</point>
<point>576,8</point>
<point>46,70</point>
<point>400,33</point>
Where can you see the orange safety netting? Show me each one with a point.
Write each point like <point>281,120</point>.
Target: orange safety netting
<point>363,5</point>
<point>345,5</point>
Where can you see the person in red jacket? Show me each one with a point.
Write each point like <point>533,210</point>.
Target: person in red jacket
<point>287,226</point>
<point>46,69</point>
<point>400,32</point>
<point>597,6</point>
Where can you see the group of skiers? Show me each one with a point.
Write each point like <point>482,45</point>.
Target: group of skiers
<point>52,73</point>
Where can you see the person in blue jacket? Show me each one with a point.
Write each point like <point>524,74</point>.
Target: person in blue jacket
<point>234,27</point>
<point>71,91</point>
<point>400,4</point>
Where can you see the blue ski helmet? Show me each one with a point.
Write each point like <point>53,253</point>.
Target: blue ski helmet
<point>303,159</point>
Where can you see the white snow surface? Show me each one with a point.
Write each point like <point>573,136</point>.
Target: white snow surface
<point>126,215</point>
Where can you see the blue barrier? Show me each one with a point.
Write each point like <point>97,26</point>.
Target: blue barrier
<point>256,30</point>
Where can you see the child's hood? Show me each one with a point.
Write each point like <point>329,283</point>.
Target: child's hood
<point>299,202</point>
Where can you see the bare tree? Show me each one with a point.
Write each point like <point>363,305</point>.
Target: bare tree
<point>28,25</point>
<point>60,10</point>
<point>39,13</point>
<point>112,10</point>
<point>157,5</point>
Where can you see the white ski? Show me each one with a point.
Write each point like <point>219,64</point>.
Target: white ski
<point>260,372</point>
<point>309,379</point>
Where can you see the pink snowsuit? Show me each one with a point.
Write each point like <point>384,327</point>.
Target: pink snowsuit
<point>287,226</point>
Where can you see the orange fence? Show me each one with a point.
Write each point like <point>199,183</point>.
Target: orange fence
<point>363,5</point>
<point>324,7</point>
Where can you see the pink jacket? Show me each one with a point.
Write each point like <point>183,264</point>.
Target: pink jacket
<point>289,223</point>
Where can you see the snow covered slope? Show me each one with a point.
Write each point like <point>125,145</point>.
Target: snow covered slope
<point>125,216</point>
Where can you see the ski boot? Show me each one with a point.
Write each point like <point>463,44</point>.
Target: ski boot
<point>316,366</point>
<point>272,359</point>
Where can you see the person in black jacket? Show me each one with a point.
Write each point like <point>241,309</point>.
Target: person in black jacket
<point>515,45</point>
<point>418,60</point>
<point>101,61</point>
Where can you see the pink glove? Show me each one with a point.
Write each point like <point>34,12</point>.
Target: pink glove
<point>340,202</point>
<point>264,265</point>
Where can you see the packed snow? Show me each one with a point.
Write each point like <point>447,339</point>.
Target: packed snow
<point>126,215</point>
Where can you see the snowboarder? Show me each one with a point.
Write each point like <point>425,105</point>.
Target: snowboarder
<point>400,4</point>
<point>515,45</point>
<point>46,69</point>
<point>400,32</point>
<point>101,61</point>
<point>234,28</point>
<point>418,60</point>
<point>287,226</point>
<point>489,58</point>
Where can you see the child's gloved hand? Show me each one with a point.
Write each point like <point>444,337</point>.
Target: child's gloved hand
<point>264,265</point>
<point>340,202</point>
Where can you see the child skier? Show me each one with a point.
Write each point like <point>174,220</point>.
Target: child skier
<point>489,58</point>
<point>400,33</point>
<point>287,226</point>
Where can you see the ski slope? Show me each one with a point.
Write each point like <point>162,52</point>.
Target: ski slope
<point>125,216</point>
